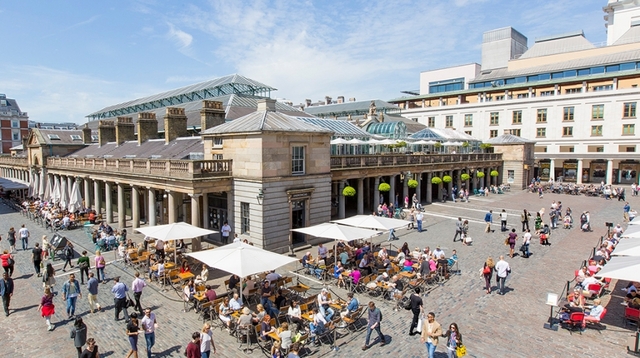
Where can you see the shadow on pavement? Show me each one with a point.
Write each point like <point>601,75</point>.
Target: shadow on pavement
<point>168,352</point>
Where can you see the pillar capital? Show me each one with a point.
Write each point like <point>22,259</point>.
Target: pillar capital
<point>195,195</point>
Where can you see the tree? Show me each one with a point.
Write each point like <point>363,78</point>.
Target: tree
<point>479,174</point>
<point>384,187</point>
<point>348,191</point>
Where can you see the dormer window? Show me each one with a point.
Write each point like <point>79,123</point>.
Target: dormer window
<point>53,136</point>
<point>75,137</point>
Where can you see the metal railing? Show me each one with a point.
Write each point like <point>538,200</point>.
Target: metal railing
<point>383,160</point>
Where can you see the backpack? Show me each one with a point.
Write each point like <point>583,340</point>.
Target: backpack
<point>68,251</point>
<point>380,314</point>
<point>405,303</point>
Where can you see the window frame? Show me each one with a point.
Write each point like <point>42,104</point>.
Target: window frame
<point>630,126</point>
<point>516,117</point>
<point>245,218</point>
<point>494,118</point>
<point>599,111</point>
<point>541,115</point>
<point>448,121</point>
<point>431,122</point>
<point>568,113</point>
<point>567,131</point>
<point>596,130</point>
<point>629,110</point>
<point>541,132</point>
<point>493,133</point>
<point>298,162</point>
<point>468,120</point>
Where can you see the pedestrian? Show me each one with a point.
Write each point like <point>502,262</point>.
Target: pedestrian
<point>70,293</point>
<point>626,209</point>
<point>459,224</point>
<point>119,291</point>
<point>24,237</point>
<point>92,287</point>
<point>419,217</point>
<point>503,220</point>
<point>206,341</point>
<point>444,195</point>
<point>47,308</point>
<point>193,348</point>
<point>373,323</point>
<point>392,235</point>
<point>6,291</point>
<point>137,285</point>
<point>225,231</point>
<point>538,222</point>
<point>49,277</point>
<point>502,271</point>
<point>100,264</point>
<point>526,241</point>
<point>454,191</point>
<point>36,258</point>
<point>488,218</point>
<point>487,273</point>
<point>68,255</point>
<point>524,218</point>
<point>132,333</point>
<point>416,309</point>
<point>92,349</point>
<point>466,240</point>
<point>511,240</point>
<point>431,330</point>
<point>454,340</point>
<point>79,335</point>
<point>84,264</point>
<point>149,325</point>
<point>11,237</point>
<point>7,262</point>
<point>46,248</point>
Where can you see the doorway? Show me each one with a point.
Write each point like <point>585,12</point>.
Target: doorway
<point>298,221</point>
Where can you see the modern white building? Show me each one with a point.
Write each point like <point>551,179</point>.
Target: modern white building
<point>578,101</point>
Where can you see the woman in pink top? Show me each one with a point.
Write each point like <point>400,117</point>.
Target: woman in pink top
<point>433,264</point>
<point>408,265</point>
<point>355,276</point>
<point>100,264</point>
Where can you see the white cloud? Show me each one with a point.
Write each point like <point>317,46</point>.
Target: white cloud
<point>181,38</point>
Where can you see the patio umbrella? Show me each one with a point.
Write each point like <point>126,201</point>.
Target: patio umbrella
<point>55,195</point>
<point>387,142</point>
<point>622,268</point>
<point>339,141</point>
<point>175,231</point>
<point>43,184</point>
<point>242,259</point>
<point>75,201</point>
<point>355,141</point>
<point>48,189</point>
<point>337,232</point>
<point>64,194</point>
<point>634,234</point>
<point>631,230</point>
<point>372,222</point>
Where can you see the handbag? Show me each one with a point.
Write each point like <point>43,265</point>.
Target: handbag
<point>130,302</point>
<point>461,351</point>
<point>419,328</point>
<point>11,261</point>
<point>506,241</point>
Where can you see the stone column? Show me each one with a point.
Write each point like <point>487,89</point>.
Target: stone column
<point>376,193</point>
<point>405,190</point>
<point>341,209</point>
<point>108,201</point>
<point>152,206</point>
<point>135,207</point>
<point>231,210</point>
<point>196,244</point>
<point>122,217</point>
<point>392,191</point>
<point>579,172</point>
<point>419,187</point>
<point>205,210</point>
<point>360,194</point>
<point>552,169</point>
<point>96,195</point>
<point>171,210</point>
<point>429,188</point>
<point>609,172</point>
<point>458,179</point>
<point>449,185</point>
<point>86,182</point>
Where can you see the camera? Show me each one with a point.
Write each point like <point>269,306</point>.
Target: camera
<point>609,224</point>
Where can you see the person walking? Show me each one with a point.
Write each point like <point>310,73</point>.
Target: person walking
<point>11,237</point>
<point>225,231</point>
<point>49,277</point>
<point>459,224</point>
<point>137,286</point>
<point>84,264</point>
<point>92,287</point>
<point>68,255</point>
<point>79,335</point>
<point>6,291</point>
<point>454,340</point>
<point>36,258</point>
<point>416,309</point>
<point>419,217</point>
<point>24,237</point>
<point>511,240</point>
<point>487,272</point>
<point>7,262</point>
<point>524,219</point>
<point>431,330</point>
<point>373,323</point>
<point>119,291</point>
<point>92,349</point>
<point>488,218</point>
<point>47,308</point>
<point>466,240</point>
<point>526,241</point>
<point>149,325</point>
<point>502,270</point>
<point>100,264</point>
<point>503,220</point>
<point>206,341</point>
<point>70,293</point>
<point>132,332</point>
<point>193,348</point>
<point>626,209</point>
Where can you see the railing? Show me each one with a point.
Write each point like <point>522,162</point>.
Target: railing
<point>169,168</point>
<point>14,161</point>
<point>384,160</point>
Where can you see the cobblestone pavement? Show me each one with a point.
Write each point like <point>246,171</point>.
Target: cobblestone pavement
<point>492,325</point>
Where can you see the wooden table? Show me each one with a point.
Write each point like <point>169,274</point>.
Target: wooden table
<point>407,274</point>
<point>167,266</point>
<point>274,336</point>
<point>299,289</point>
<point>186,276</point>
<point>308,316</point>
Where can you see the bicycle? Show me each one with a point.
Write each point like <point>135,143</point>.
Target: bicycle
<point>400,214</point>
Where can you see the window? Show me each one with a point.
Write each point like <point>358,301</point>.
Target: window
<point>495,118</point>
<point>448,121</point>
<point>468,120</point>
<point>493,133</point>
<point>597,112</point>
<point>455,84</point>
<point>217,141</point>
<point>629,110</point>
<point>546,93</point>
<point>567,131</point>
<point>245,220</point>
<point>94,138</point>
<point>514,131</point>
<point>568,114</point>
<point>517,117</point>
<point>500,98</point>
<point>541,132</point>
<point>297,160</point>
<point>596,131</point>
<point>602,88</point>
<point>628,129</point>
<point>217,156</point>
<point>53,136</point>
<point>15,124</point>
<point>468,132</point>
<point>431,122</point>
<point>573,90</point>
<point>542,116</point>
<point>523,95</point>
<point>75,137</point>
<point>15,135</point>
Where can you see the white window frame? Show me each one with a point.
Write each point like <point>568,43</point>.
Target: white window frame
<point>298,164</point>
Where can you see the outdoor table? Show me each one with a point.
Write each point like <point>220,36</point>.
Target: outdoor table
<point>407,274</point>
<point>167,266</point>
<point>308,316</point>
<point>300,289</point>
<point>338,305</point>
<point>274,336</point>
<point>186,276</point>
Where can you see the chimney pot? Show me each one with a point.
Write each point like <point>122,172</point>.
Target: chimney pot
<point>125,130</point>
<point>86,135</point>
<point>340,99</point>
<point>352,99</point>
<point>327,100</point>
<point>267,104</point>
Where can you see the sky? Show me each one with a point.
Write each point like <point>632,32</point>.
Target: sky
<point>62,60</point>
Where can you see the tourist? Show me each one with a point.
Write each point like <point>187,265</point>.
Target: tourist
<point>511,240</point>
<point>47,308</point>
<point>503,220</point>
<point>84,264</point>
<point>36,258</point>
<point>11,237</point>
<point>132,332</point>
<point>149,325</point>
<point>487,272</point>
<point>79,335</point>
<point>7,262</point>
<point>70,293</point>
<point>225,231</point>
<point>137,286</point>
<point>24,237</point>
<point>92,349</point>
<point>92,287</point>
<point>454,340</point>
<point>68,253</point>
<point>431,330</point>
<point>416,309</point>
<point>502,271</point>
<point>206,341</point>
<point>193,348</point>
<point>459,224</point>
<point>100,265</point>
<point>488,217</point>
<point>524,219</point>
<point>119,291</point>
<point>49,277</point>
<point>373,323</point>
<point>6,291</point>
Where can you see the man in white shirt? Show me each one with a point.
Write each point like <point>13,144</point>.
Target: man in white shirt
<point>438,252</point>
<point>24,236</point>
<point>225,231</point>
<point>502,270</point>
<point>419,217</point>
<point>235,303</point>
<point>526,240</point>
<point>323,304</point>
<point>149,325</point>
<point>160,249</point>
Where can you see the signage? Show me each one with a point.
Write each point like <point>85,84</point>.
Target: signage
<point>545,170</point>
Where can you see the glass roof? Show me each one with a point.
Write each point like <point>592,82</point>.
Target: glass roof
<point>393,130</point>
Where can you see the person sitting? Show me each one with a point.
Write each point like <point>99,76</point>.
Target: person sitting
<point>355,276</point>
<point>181,247</point>
<point>433,264</point>
<point>438,252</point>
<point>337,273</point>
<point>234,280</point>
<point>210,294</point>
<point>280,300</point>
<point>285,335</point>
<point>323,304</point>
<point>273,276</point>
<point>396,287</point>
<point>589,280</point>
<point>189,291</point>
<point>184,268</point>
<point>265,327</point>
<point>295,314</point>
<point>307,262</point>
<point>352,306</point>
<point>566,222</point>
<point>453,259</point>
<point>594,313</point>
<point>365,265</point>
<point>317,327</point>
<point>159,272</point>
<point>235,303</point>
<point>408,265</point>
<point>575,301</point>
<point>382,254</point>
<point>400,258</point>
<point>203,276</point>
<point>224,312</point>
<point>245,321</point>
<point>249,285</point>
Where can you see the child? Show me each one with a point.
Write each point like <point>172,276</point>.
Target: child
<point>567,222</point>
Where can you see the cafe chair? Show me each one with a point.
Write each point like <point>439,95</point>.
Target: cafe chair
<point>631,315</point>
<point>574,322</point>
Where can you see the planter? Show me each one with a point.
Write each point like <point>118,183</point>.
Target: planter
<point>436,180</point>
<point>447,179</point>
<point>465,177</point>
<point>348,191</point>
<point>412,183</point>
<point>384,187</point>
<point>494,173</point>
<point>480,175</point>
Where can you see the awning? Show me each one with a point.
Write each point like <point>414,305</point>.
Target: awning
<point>12,184</point>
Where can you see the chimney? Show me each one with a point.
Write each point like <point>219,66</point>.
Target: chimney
<point>25,142</point>
<point>267,104</point>
<point>147,127</point>
<point>106,132</point>
<point>124,130</point>
<point>175,124</point>
<point>327,100</point>
<point>340,99</point>
<point>352,99</point>
<point>212,114</point>
<point>308,102</point>
<point>86,135</point>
